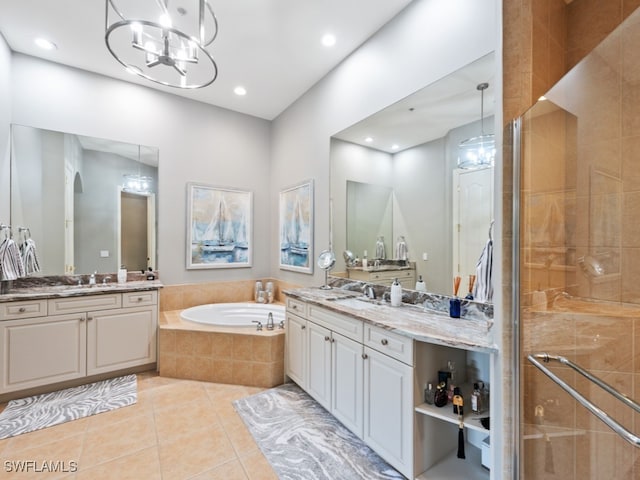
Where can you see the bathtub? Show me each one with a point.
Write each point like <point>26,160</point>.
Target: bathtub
<point>233,314</point>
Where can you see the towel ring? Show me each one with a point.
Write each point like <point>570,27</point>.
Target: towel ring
<point>491,229</point>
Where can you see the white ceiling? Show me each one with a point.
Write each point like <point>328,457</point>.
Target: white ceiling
<point>271,47</point>
<point>431,112</point>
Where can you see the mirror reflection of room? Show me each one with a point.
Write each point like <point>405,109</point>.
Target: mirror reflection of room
<point>414,192</point>
<point>88,203</point>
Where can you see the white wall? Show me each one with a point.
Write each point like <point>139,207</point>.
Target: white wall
<point>197,142</point>
<point>5,122</point>
<point>425,42</point>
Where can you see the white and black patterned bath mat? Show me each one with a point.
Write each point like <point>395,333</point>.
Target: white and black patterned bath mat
<point>302,441</point>
<point>41,411</point>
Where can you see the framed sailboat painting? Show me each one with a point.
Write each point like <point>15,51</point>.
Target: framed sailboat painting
<point>296,228</point>
<point>219,228</point>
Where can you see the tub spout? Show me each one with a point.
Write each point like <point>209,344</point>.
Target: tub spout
<point>270,321</point>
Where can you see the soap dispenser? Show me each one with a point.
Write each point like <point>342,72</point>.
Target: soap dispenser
<point>420,285</point>
<point>396,293</point>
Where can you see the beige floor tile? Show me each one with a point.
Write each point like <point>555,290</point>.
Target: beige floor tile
<point>242,441</point>
<point>57,433</point>
<point>227,471</point>
<point>140,465</point>
<point>65,454</point>
<point>195,452</point>
<point>174,394</point>
<point>117,440</point>
<point>174,420</point>
<point>257,467</point>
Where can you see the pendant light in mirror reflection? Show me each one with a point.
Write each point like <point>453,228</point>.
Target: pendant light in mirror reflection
<point>478,151</point>
<point>137,182</point>
<point>163,42</point>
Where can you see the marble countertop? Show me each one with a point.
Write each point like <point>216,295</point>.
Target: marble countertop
<point>408,320</point>
<point>39,292</point>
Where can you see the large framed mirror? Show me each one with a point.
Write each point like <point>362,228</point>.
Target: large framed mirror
<point>89,204</point>
<point>409,150</point>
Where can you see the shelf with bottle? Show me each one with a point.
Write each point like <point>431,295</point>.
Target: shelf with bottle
<point>472,420</point>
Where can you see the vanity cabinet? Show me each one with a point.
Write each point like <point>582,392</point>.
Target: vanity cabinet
<point>42,350</point>
<point>406,277</point>
<point>372,379</point>
<point>66,338</point>
<point>296,349</point>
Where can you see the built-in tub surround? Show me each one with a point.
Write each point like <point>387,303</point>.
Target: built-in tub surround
<point>235,355</point>
<point>247,314</point>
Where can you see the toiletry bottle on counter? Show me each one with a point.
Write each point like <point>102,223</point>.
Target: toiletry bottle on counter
<point>122,274</point>
<point>454,303</point>
<point>396,293</point>
<point>364,260</point>
<point>420,285</point>
<point>476,399</point>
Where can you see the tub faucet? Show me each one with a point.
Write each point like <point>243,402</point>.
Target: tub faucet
<point>259,326</point>
<point>369,292</point>
<point>270,321</point>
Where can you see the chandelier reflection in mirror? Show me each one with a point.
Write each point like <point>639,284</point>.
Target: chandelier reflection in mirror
<point>163,41</point>
<point>478,151</point>
<point>137,182</point>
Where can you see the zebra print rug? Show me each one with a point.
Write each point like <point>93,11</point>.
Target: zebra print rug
<point>301,440</point>
<point>41,411</point>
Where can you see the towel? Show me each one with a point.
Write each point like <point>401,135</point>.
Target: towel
<point>11,266</point>
<point>30,256</point>
<point>402,253</point>
<point>483,289</point>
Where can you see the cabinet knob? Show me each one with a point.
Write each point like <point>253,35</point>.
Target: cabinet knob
<point>303,327</point>
<point>333,340</point>
<point>384,341</point>
<point>89,318</point>
<point>295,307</point>
<point>139,299</point>
<point>365,356</point>
<point>326,338</point>
<point>22,310</point>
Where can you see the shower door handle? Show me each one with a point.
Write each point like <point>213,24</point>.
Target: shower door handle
<point>630,437</point>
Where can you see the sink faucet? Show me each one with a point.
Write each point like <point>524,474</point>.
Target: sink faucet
<point>106,280</point>
<point>376,264</point>
<point>92,278</point>
<point>369,292</point>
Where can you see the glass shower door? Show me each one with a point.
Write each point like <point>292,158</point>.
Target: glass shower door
<point>579,265</point>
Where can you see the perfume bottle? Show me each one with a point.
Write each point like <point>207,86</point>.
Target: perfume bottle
<point>476,399</point>
<point>440,397</point>
<point>429,395</point>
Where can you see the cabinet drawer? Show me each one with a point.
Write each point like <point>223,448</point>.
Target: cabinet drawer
<point>297,307</point>
<point>135,299</point>
<point>25,309</point>
<point>347,326</point>
<point>389,343</point>
<point>391,274</point>
<point>84,303</point>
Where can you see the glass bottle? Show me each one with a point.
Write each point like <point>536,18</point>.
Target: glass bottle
<point>440,398</point>
<point>429,395</point>
<point>476,399</point>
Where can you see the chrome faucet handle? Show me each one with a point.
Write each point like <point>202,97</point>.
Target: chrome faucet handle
<point>369,292</point>
<point>259,326</point>
<point>281,324</point>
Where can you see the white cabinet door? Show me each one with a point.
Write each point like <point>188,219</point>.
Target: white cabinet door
<point>319,367</point>
<point>43,350</point>
<point>296,350</point>
<point>347,374</point>
<point>121,338</point>
<point>388,409</point>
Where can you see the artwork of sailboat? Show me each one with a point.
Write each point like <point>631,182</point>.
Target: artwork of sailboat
<point>219,235</point>
<point>296,238</point>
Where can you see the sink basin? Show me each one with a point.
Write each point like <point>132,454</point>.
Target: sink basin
<point>357,303</point>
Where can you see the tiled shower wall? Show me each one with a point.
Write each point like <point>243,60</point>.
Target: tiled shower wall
<point>533,32</point>
<point>580,203</point>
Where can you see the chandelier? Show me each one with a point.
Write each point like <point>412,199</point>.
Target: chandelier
<point>478,151</point>
<point>162,42</point>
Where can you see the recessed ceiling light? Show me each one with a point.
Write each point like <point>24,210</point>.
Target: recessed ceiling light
<point>542,98</point>
<point>45,44</point>
<point>328,40</point>
<point>394,146</point>
<point>368,139</point>
<point>240,90</point>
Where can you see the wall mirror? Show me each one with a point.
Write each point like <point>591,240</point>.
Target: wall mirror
<point>410,150</point>
<point>88,203</point>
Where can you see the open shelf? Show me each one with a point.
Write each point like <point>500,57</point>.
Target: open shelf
<point>453,468</point>
<point>471,420</point>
